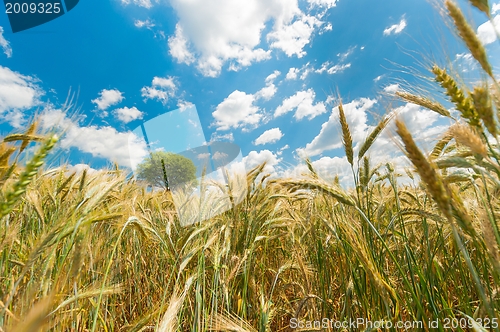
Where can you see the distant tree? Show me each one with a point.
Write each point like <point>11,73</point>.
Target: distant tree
<point>166,169</point>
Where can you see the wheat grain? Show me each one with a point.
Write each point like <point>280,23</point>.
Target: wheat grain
<point>484,108</point>
<point>426,171</point>
<point>346,135</point>
<point>470,38</point>
<point>424,102</point>
<point>462,103</point>
<point>466,136</point>
<point>482,5</point>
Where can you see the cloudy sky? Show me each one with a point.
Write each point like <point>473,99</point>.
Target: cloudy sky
<point>263,74</point>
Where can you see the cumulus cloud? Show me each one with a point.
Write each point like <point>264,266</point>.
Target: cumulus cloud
<point>486,31</point>
<point>161,89</point>
<point>495,8</point>
<point>269,136</point>
<point>292,38</point>
<point>422,123</point>
<point>79,168</point>
<point>292,74</point>
<point>107,98</point>
<point>393,88</point>
<point>178,47</point>
<point>236,111</point>
<point>210,35</point>
<point>270,89</point>
<point>126,114</point>
<point>5,44</point>
<point>396,28</point>
<point>217,136</point>
<point>106,142</point>
<point>327,168</point>
<point>183,104</point>
<point>255,158</point>
<point>267,92</point>
<point>18,93</point>
<point>303,104</point>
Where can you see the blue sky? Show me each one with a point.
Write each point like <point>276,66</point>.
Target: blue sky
<point>263,74</point>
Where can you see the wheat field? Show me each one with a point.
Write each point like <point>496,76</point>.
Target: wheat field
<point>97,252</point>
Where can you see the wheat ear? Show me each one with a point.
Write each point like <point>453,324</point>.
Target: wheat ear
<point>468,35</point>
<point>346,136</point>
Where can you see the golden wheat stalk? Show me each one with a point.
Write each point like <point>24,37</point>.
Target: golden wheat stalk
<point>346,135</point>
<point>482,5</point>
<point>426,170</point>
<point>26,176</point>
<point>373,135</point>
<point>424,102</point>
<point>468,35</point>
<point>464,135</point>
<point>462,103</point>
<point>484,108</point>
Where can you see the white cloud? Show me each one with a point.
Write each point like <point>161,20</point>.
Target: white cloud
<point>327,27</point>
<point>338,68</point>
<point>148,24</point>
<point>422,123</point>
<point>79,168</point>
<point>106,142</point>
<point>161,89</point>
<point>486,31</point>
<point>393,88</point>
<point>323,67</point>
<point>292,74</point>
<point>216,136</point>
<point>327,168</point>
<point>378,78</point>
<point>127,115</point>
<point>329,137</point>
<point>5,44</point>
<point>17,94</point>
<point>212,34</point>
<point>292,38</point>
<point>269,136</point>
<point>141,3</point>
<point>178,47</point>
<point>270,89</point>
<point>273,76</point>
<point>283,148</point>
<point>495,8</point>
<point>107,98</point>
<point>236,111</point>
<point>396,28</point>
<point>183,104</point>
<point>255,158</point>
<point>266,92</point>
<point>303,103</point>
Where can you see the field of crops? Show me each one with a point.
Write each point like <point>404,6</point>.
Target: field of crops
<point>97,252</point>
